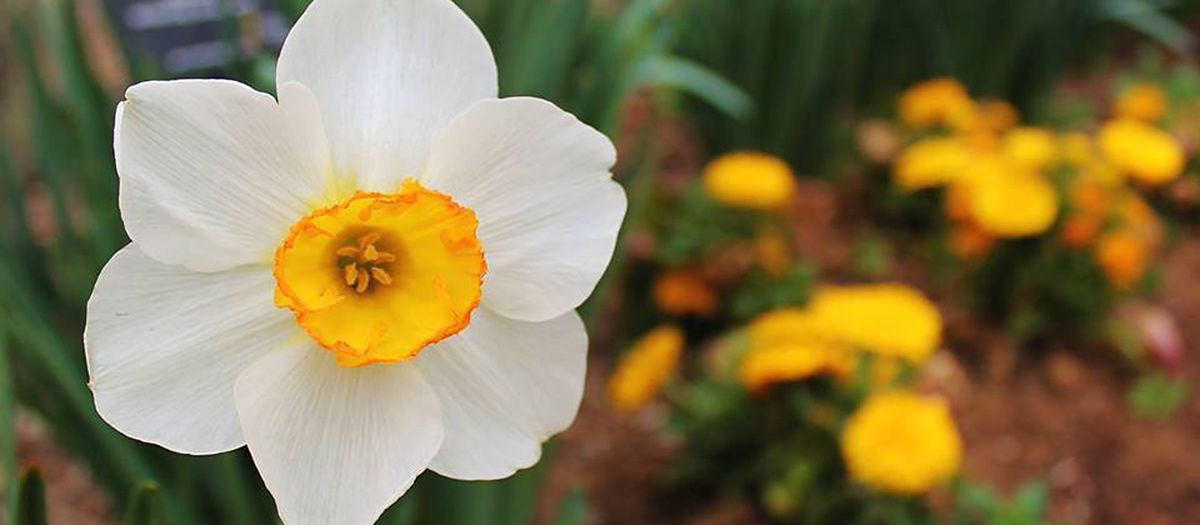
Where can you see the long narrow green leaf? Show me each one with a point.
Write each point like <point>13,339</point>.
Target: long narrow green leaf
<point>8,440</point>
<point>1149,19</point>
<point>572,509</point>
<point>696,80</point>
<point>404,512</point>
<point>234,493</point>
<point>31,501</point>
<point>145,506</point>
<point>515,502</point>
<point>450,502</point>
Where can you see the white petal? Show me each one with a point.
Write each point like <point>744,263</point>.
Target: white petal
<point>165,345</point>
<point>505,386</point>
<point>214,173</point>
<point>389,75</point>
<point>336,444</point>
<point>549,212</point>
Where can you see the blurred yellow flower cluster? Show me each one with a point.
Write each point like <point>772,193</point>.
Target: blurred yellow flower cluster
<point>893,322</point>
<point>646,368</point>
<point>1003,180</point>
<point>902,442</point>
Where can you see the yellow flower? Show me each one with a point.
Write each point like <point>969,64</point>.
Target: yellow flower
<point>931,162</point>
<point>902,443</point>
<point>938,101</point>
<point>1009,201</point>
<point>682,291</point>
<point>1142,101</point>
<point>645,369</point>
<point>768,364</point>
<point>893,320</point>
<point>1148,154</point>
<point>785,326</point>
<point>750,180</point>
<point>1032,148</point>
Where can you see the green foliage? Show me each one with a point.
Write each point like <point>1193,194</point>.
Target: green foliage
<point>31,499</point>
<point>1039,288</point>
<point>778,449</point>
<point>1157,396</point>
<point>145,506</point>
<point>760,292</point>
<point>695,225</point>
<point>978,505</point>
<point>572,510</point>
<point>806,63</point>
<point>587,61</point>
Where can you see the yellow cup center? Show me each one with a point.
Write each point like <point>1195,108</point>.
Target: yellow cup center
<point>377,277</point>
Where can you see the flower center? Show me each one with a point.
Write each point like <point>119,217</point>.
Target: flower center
<point>377,277</point>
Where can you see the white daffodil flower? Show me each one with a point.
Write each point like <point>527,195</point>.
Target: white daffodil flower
<point>373,275</point>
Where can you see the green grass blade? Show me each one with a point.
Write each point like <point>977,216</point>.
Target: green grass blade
<point>145,506</point>
<point>572,509</point>
<point>8,440</point>
<point>696,80</point>
<point>31,499</point>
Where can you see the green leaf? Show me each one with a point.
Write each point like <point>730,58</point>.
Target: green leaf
<point>8,442</point>
<point>572,509</point>
<point>1157,396</point>
<point>145,506</point>
<point>699,81</point>
<point>403,512</point>
<point>31,499</point>
<point>450,502</point>
<point>1148,18</point>
<point>1030,500</point>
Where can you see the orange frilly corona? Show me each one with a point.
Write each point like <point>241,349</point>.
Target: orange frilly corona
<point>377,277</point>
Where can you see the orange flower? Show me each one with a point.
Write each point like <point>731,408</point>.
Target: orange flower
<point>995,115</point>
<point>1079,230</point>
<point>1123,257</point>
<point>1143,101</point>
<point>1090,201</point>
<point>957,204</point>
<point>682,291</point>
<point>969,241</point>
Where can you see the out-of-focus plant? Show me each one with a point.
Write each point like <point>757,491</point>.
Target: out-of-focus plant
<point>810,413</point>
<point>720,245</point>
<point>978,505</point>
<point>1049,228</point>
<point>806,63</point>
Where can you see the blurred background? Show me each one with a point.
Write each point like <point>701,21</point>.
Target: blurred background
<point>886,262</point>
